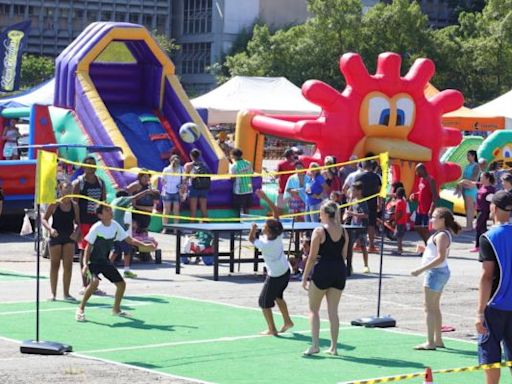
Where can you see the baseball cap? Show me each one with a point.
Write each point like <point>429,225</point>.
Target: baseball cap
<point>503,200</point>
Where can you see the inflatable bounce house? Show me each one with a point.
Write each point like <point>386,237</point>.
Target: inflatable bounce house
<point>377,113</point>
<point>137,107</point>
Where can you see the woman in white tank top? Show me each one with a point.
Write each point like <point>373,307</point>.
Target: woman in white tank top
<point>434,264</point>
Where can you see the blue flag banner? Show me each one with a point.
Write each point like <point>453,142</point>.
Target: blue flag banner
<point>12,42</point>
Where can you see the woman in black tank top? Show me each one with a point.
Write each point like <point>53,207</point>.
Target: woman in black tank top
<point>329,246</point>
<point>144,203</point>
<point>65,215</point>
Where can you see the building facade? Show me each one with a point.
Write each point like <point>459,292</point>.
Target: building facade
<point>204,29</point>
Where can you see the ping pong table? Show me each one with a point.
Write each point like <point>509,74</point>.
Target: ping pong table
<point>233,229</point>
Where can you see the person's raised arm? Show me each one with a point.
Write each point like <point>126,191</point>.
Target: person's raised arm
<point>313,254</point>
<point>252,233</point>
<point>263,195</point>
<point>137,243</point>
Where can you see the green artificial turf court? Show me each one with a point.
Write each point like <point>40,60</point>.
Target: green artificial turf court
<point>220,343</point>
<point>11,275</point>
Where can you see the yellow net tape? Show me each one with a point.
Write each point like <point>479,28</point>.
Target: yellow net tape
<point>209,219</point>
<point>409,376</point>
<point>383,158</point>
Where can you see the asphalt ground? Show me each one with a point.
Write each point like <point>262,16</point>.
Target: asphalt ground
<point>401,298</point>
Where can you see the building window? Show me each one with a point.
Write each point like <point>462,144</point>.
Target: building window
<point>19,10</point>
<point>78,13</point>
<point>161,22</point>
<point>120,16</point>
<point>106,15</point>
<point>148,21</point>
<point>134,18</point>
<point>197,17</point>
<point>195,57</point>
<point>4,9</point>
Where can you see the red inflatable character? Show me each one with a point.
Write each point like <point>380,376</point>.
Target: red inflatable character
<point>377,113</point>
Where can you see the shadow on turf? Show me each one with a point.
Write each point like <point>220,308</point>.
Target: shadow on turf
<point>130,322</point>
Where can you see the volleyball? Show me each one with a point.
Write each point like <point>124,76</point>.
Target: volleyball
<point>189,132</point>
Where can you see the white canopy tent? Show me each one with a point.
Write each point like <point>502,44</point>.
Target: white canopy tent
<point>501,106</point>
<point>274,95</point>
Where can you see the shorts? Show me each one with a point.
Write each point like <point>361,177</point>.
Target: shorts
<point>400,231</point>
<point>436,278</point>
<point>84,230</point>
<point>421,220</point>
<point>141,220</point>
<point>171,197</point>
<point>60,240</point>
<point>10,149</point>
<point>198,193</point>
<point>242,201</point>
<point>122,247</point>
<point>273,289</point>
<point>360,236</point>
<point>470,192</point>
<point>107,270</point>
<point>499,328</point>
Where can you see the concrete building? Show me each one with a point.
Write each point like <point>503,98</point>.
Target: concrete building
<point>55,23</point>
<point>205,29</point>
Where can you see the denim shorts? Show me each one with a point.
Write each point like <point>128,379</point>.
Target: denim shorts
<point>436,278</point>
<point>171,197</point>
<point>499,327</point>
<point>198,193</point>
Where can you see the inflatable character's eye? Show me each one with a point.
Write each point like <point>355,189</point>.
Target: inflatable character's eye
<point>507,151</point>
<point>378,111</point>
<point>404,111</point>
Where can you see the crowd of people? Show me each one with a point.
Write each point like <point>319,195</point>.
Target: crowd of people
<point>315,195</point>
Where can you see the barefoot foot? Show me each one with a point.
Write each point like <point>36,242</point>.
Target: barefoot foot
<point>425,347</point>
<point>268,332</point>
<point>331,351</point>
<point>311,351</point>
<point>285,327</point>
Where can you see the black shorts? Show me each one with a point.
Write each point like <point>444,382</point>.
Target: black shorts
<point>242,201</point>
<point>107,270</point>
<point>273,289</point>
<point>60,240</point>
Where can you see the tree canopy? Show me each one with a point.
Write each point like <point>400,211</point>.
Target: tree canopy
<point>473,56</point>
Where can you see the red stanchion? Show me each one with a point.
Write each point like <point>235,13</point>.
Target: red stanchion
<point>428,376</point>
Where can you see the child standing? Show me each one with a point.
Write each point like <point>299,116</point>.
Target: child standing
<point>11,136</point>
<point>270,243</point>
<point>358,215</point>
<point>100,240</point>
<point>400,218</point>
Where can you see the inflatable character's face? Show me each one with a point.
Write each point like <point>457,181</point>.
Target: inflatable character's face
<point>503,156</point>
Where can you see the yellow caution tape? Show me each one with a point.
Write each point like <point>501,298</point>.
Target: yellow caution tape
<point>227,175</point>
<point>207,219</point>
<point>440,371</point>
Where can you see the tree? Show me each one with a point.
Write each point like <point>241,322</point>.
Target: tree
<point>166,43</point>
<point>35,70</point>
<point>398,27</point>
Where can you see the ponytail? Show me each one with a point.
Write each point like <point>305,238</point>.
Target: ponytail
<point>449,219</point>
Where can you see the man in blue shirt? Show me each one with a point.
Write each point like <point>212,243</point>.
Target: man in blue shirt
<point>494,312</point>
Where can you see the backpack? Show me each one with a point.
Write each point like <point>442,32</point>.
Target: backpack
<point>203,182</point>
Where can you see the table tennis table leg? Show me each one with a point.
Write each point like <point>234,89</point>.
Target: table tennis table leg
<point>216,256</point>
<point>232,252</point>
<point>178,251</point>
<point>350,251</point>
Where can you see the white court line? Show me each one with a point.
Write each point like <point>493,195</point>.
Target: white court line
<point>204,341</point>
<point>73,308</point>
